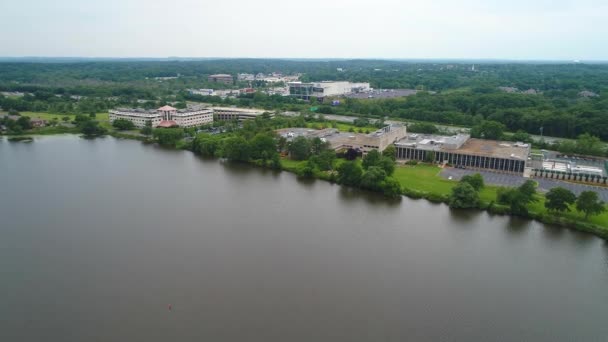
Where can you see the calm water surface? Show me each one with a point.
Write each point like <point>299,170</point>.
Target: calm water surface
<point>97,237</point>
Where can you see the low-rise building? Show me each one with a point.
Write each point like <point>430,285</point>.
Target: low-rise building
<point>221,78</point>
<point>364,143</point>
<point>165,116</point>
<point>240,114</point>
<point>36,122</point>
<point>462,151</point>
<point>325,88</point>
<point>203,92</point>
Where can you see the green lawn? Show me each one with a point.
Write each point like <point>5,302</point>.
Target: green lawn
<point>103,119</point>
<point>291,165</point>
<point>426,178</point>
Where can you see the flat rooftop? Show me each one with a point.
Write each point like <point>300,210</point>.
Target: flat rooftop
<point>462,143</point>
<point>493,148</point>
<point>190,108</point>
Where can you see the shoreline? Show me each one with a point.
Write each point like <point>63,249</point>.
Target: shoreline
<point>491,207</point>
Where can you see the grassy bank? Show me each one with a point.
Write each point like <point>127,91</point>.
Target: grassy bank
<point>424,181</point>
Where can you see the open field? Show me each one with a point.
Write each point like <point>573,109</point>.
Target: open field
<point>101,117</point>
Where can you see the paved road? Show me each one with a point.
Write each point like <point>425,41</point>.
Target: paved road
<point>544,184</point>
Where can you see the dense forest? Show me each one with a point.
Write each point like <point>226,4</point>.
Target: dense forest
<point>566,100</point>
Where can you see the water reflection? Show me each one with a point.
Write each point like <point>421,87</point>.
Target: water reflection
<point>464,215</point>
<point>352,195</point>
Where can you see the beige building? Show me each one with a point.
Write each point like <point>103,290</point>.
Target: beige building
<point>378,140</point>
<point>165,116</point>
<point>240,114</point>
<point>462,151</point>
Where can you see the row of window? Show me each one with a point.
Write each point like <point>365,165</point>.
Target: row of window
<point>482,162</point>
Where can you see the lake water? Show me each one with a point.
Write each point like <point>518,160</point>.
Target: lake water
<point>98,237</point>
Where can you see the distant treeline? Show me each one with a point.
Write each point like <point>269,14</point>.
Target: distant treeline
<point>465,95</point>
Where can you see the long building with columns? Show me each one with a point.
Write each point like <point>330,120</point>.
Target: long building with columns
<point>165,116</point>
<point>462,151</point>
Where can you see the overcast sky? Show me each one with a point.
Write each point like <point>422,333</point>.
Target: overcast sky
<point>509,29</point>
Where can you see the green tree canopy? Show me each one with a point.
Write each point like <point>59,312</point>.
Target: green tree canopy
<point>91,128</point>
<point>589,203</point>
<point>123,124</point>
<point>464,196</point>
<point>349,173</point>
<point>492,130</point>
<point>476,181</point>
<point>559,199</point>
<point>237,149</point>
<point>168,136</point>
<point>372,178</point>
<point>390,152</point>
<point>299,148</point>
<point>147,129</point>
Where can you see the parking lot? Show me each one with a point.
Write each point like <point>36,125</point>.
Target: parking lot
<point>504,179</point>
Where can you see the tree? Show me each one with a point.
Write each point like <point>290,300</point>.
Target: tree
<point>349,173</point>
<point>388,165</point>
<point>422,127</point>
<point>299,148</point>
<point>263,146</point>
<point>123,124</point>
<point>372,179</point>
<point>168,136</point>
<point>521,136</point>
<point>24,122</point>
<point>588,144</point>
<point>528,190</point>
<point>559,199</point>
<point>275,161</point>
<point>391,187</point>
<point>488,130</point>
<point>390,152</point>
<point>589,203</point>
<point>317,145</point>
<point>65,118</point>
<point>518,198</point>
<point>372,158</point>
<point>324,161</point>
<point>475,180</point>
<point>147,129</point>
<point>464,196</point>
<point>237,149</point>
<point>91,128</point>
<point>207,145</point>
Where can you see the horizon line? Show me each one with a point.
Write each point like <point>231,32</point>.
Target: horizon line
<point>319,58</point>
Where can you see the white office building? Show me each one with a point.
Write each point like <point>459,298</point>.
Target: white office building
<point>165,116</point>
<point>325,88</point>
